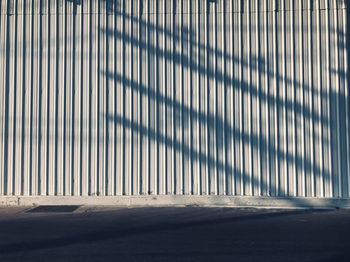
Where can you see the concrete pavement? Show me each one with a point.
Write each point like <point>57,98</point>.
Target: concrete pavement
<point>173,234</point>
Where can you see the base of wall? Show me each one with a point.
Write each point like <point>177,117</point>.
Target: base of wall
<point>211,201</point>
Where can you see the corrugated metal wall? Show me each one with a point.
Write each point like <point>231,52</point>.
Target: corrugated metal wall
<point>133,97</point>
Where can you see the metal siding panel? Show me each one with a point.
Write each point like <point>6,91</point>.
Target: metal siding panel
<point>291,101</point>
<point>317,103</point>
<point>19,102</point>
<point>44,98</point>
<point>202,68</point>
<point>75,114</point>
<point>10,64</point>
<point>334,67</point>
<point>136,98</point>
<point>264,96</point>
<point>229,108</point>
<point>174,97</point>
<point>342,102</point>
<point>51,110</point>
<point>186,33</point>
<point>326,88</point>
<point>2,96</point>
<point>110,104</point>
<point>152,99</point>
<point>162,128</point>
<point>240,130</point>
<point>120,98</point>
<point>346,87</point>
<point>221,100</point>
<point>26,128</point>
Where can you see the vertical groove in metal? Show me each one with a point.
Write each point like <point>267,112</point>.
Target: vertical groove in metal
<point>206,100</point>
<point>192,180</point>
<point>311,102</point>
<point>196,98</point>
<point>258,98</point>
<point>248,106</point>
<point>294,188</point>
<point>303,140</point>
<point>337,91</point>
<point>320,111</point>
<point>284,102</point>
<point>328,97</point>
<point>181,97</point>
<point>231,48</point>
<point>156,68</point>
<point>276,100</point>
<point>346,87</point>
<point>241,86</point>
<point>214,92</point>
<point>122,101</point>
<point>2,100</point>
<point>266,94</point>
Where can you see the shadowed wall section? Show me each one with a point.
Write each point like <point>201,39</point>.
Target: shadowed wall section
<point>179,97</point>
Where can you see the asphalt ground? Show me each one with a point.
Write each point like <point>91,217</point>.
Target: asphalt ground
<point>173,234</point>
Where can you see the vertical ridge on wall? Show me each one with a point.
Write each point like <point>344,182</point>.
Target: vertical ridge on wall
<point>225,97</point>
